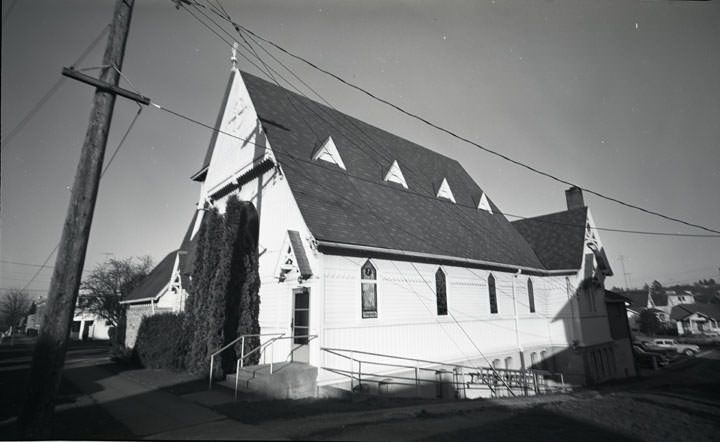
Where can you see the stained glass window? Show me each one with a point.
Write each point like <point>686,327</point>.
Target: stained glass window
<point>492,294</point>
<point>441,292</point>
<point>368,288</point>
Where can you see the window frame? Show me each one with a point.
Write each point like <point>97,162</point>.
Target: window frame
<point>441,272</point>
<point>373,282</point>
<point>531,295</point>
<point>492,294</point>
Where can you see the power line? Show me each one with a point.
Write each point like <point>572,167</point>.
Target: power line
<point>102,174</point>
<point>267,68</point>
<point>455,135</point>
<point>35,109</point>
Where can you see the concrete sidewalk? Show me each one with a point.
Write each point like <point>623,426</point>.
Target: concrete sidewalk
<point>155,414</point>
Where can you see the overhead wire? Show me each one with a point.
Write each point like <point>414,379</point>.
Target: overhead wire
<point>380,153</point>
<point>457,136</point>
<point>36,108</point>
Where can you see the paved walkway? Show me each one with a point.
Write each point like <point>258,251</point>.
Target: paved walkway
<point>155,414</point>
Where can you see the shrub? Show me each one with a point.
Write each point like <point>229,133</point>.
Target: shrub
<point>223,301</point>
<point>161,341</point>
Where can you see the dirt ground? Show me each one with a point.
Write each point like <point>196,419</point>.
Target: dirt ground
<point>675,404</point>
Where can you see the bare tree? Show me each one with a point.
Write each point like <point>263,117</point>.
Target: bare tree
<point>14,307</point>
<point>106,285</point>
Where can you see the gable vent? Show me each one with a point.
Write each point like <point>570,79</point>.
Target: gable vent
<point>395,175</point>
<point>445,192</point>
<point>484,204</point>
<point>328,152</point>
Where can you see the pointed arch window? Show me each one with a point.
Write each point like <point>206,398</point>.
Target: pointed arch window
<point>368,290</point>
<point>492,294</point>
<point>441,292</point>
<point>531,295</point>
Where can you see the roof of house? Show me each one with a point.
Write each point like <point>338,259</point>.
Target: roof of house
<point>639,298</point>
<point>611,296</point>
<point>682,311</point>
<point>358,207</point>
<point>299,251</point>
<point>186,253</point>
<point>557,238</point>
<point>155,281</point>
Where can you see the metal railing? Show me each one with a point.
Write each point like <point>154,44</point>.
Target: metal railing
<point>239,338</point>
<point>240,363</point>
<point>463,377</point>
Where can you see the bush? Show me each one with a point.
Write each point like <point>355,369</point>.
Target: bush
<point>161,341</point>
<point>223,301</point>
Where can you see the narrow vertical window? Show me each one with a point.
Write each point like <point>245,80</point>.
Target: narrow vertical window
<point>441,292</point>
<point>368,288</point>
<point>531,296</point>
<point>492,294</point>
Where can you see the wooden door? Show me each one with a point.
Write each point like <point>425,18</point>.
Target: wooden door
<point>301,325</point>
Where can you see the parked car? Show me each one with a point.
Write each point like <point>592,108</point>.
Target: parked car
<point>686,349</point>
<point>699,339</point>
<point>649,359</point>
<point>649,346</point>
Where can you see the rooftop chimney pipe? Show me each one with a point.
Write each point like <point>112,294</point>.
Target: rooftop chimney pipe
<point>574,198</point>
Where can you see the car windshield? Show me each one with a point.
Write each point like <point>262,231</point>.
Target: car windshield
<point>673,342</point>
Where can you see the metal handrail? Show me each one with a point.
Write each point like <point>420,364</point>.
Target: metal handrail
<point>310,338</point>
<point>240,363</point>
<point>217,352</point>
<point>507,377</point>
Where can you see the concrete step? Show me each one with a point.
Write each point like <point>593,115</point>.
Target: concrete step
<point>289,380</point>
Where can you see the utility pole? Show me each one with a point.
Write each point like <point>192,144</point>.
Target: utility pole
<point>625,273</point>
<point>49,353</point>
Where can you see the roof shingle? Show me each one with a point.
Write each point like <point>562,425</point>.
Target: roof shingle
<point>358,207</point>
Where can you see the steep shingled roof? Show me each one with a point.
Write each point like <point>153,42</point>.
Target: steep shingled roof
<point>557,238</point>
<point>639,298</point>
<point>356,206</point>
<point>158,278</point>
<point>682,311</point>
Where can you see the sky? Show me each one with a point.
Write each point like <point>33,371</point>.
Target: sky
<point>621,97</point>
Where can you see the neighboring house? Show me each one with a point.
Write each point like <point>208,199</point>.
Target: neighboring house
<point>87,325</point>
<point>370,242</point>
<point>84,325</point>
<point>678,297</point>
<point>696,318</point>
<point>33,321</point>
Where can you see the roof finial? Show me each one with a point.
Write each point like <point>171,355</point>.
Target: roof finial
<point>233,59</point>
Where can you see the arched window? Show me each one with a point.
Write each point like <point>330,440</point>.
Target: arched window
<point>508,363</point>
<point>441,292</point>
<point>368,289</point>
<point>531,296</point>
<point>534,361</point>
<point>496,363</point>
<point>492,294</point>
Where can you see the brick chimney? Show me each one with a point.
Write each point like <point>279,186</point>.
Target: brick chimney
<point>574,198</point>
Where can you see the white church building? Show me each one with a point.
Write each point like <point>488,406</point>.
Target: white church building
<point>371,243</point>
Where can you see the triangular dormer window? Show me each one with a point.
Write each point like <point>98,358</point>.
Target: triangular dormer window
<point>484,204</point>
<point>328,152</point>
<point>395,175</point>
<point>445,192</point>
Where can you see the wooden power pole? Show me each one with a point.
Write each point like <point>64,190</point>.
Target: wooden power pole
<point>49,353</point>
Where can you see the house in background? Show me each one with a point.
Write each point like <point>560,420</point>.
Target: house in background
<point>88,326</point>
<point>696,318</point>
<point>372,243</point>
<point>84,325</point>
